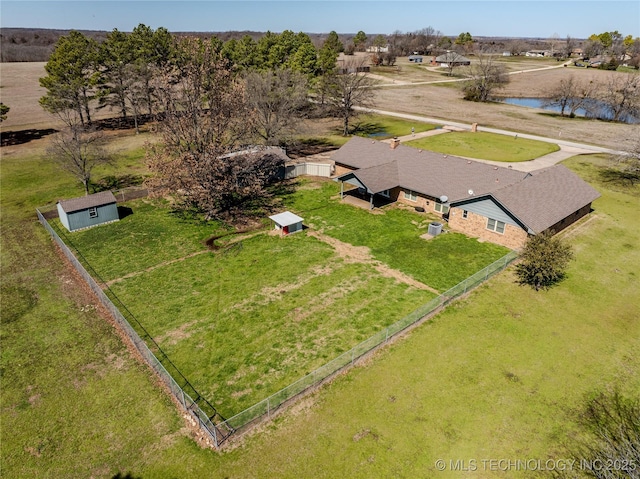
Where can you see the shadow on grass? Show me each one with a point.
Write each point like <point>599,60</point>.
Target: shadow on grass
<point>10,138</point>
<point>309,146</point>
<point>124,211</point>
<point>370,129</point>
<point>116,182</point>
<point>619,177</point>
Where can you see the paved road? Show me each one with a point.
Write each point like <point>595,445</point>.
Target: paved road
<point>567,148</point>
<point>449,80</point>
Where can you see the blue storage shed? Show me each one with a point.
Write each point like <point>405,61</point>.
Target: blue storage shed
<point>88,211</point>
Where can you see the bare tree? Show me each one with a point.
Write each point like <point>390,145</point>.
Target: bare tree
<point>554,40</point>
<point>621,96</point>
<point>78,151</point>
<point>485,76</point>
<point>349,89</point>
<point>609,446</point>
<point>516,46</point>
<point>277,99</point>
<point>201,161</point>
<point>628,162</point>
<point>570,95</point>
<point>569,46</point>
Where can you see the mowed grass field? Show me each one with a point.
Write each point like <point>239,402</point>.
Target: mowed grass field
<point>486,146</point>
<point>499,375</point>
<point>261,312</point>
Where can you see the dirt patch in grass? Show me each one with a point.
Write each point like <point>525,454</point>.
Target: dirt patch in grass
<point>362,254</point>
<point>326,299</point>
<point>172,337</point>
<point>274,293</point>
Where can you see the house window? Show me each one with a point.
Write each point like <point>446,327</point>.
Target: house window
<point>93,212</point>
<point>410,195</point>
<point>465,214</point>
<point>495,225</point>
<point>385,193</point>
<point>441,208</point>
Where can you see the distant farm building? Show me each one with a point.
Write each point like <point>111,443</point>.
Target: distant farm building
<point>287,222</point>
<point>415,58</point>
<point>88,211</point>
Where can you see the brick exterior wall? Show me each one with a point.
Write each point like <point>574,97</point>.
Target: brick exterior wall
<point>475,225</point>
<point>569,220</point>
<point>341,170</point>
<point>425,202</point>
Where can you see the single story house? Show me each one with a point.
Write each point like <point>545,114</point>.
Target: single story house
<point>415,58</point>
<point>497,204</point>
<point>287,222</point>
<point>538,53</point>
<point>88,211</point>
<point>451,59</point>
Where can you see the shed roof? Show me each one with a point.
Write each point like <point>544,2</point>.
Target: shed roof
<point>286,219</point>
<point>86,202</point>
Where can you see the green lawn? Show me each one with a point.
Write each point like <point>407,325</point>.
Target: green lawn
<point>151,235</point>
<point>381,126</point>
<point>496,376</point>
<point>485,146</point>
<point>394,237</point>
<point>244,324</point>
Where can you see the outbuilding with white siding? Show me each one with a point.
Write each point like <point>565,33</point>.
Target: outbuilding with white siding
<point>287,222</point>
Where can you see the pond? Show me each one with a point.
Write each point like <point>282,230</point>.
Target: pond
<point>595,109</point>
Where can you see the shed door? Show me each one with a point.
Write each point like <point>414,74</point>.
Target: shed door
<point>285,230</point>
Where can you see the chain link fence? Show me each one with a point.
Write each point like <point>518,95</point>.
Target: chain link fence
<point>268,406</point>
<point>205,415</point>
<point>202,413</point>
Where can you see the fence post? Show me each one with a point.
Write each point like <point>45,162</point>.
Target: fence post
<point>269,407</point>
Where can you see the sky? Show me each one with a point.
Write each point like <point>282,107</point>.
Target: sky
<point>507,18</point>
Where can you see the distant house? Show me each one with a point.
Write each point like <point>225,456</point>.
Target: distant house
<point>493,203</point>
<point>377,49</point>
<point>538,53</point>
<point>415,58</point>
<point>88,211</point>
<point>451,59</point>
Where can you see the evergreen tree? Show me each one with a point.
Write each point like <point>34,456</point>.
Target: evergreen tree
<point>72,75</point>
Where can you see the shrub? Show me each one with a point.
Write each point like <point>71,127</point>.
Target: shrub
<point>543,261</point>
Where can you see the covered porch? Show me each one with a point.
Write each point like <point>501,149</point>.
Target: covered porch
<point>367,190</point>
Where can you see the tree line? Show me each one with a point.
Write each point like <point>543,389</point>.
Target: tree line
<point>128,71</point>
<point>214,102</point>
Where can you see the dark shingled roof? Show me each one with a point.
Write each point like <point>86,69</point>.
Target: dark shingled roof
<point>379,178</point>
<point>427,172</point>
<point>546,197</point>
<point>86,202</point>
<point>539,199</point>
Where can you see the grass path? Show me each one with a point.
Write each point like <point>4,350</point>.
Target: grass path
<point>151,268</point>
